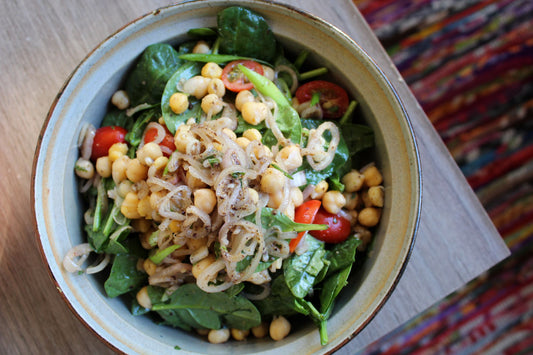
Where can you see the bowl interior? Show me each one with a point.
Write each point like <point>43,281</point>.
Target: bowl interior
<point>85,98</point>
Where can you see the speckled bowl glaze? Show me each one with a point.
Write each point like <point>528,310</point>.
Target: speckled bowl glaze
<point>84,98</point>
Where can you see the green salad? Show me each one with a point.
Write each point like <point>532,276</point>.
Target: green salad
<point>229,187</point>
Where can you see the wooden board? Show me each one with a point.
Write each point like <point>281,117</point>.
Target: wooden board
<point>42,42</point>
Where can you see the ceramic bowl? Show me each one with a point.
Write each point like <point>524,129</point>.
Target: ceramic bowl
<point>84,98</point>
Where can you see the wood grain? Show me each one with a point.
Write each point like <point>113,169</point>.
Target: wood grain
<point>42,42</point>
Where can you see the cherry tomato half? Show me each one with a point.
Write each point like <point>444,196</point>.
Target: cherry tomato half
<point>332,98</point>
<point>234,79</point>
<point>167,144</point>
<point>104,138</point>
<point>338,227</point>
<point>305,213</point>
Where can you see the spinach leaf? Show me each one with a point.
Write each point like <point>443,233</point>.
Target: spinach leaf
<point>173,120</point>
<point>271,218</point>
<point>124,276</point>
<point>301,270</point>
<point>245,33</point>
<point>147,81</point>
<point>216,58</point>
<point>342,254</point>
<point>281,301</point>
<point>331,288</point>
<point>134,136</point>
<point>358,137</point>
<point>116,117</point>
<point>199,309</point>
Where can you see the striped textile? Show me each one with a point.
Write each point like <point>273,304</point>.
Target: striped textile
<point>470,65</point>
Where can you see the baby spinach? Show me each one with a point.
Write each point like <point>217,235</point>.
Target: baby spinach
<point>195,308</point>
<point>342,254</point>
<point>301,270</point>
<point>245,33</point>
<point>134,135</point>
<point>216,58</point>
<point>331,288</point>
<point>281,301</point>
<point>124,276</point>
<point>147,81</point>
<point>116,117</point>
<point>173,120</point>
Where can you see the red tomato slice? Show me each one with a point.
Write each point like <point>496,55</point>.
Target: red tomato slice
<point>332,98</point>
<point>104,138</point>
<point>339,227</point>
<point>305,213</point>
<point>234,79</point>
<point>167,144</point>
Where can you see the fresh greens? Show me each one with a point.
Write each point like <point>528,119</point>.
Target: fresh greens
<point>245,33</point>
<point>190,307</point>
<point>147,81</point>
<point>173,120</point>
<point>124,276</point>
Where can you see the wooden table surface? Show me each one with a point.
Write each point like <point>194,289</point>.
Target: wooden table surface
<point>41,44</point>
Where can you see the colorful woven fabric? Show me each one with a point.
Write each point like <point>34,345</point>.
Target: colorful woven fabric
<point>470,65</point>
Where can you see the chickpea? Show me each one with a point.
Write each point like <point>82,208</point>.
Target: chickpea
<point>253,196</point>
<point>146,240</point>
<point>320,190</point>
<point>372,176</point>
<point>218,336</point>
<point>155,199</point>
<point>252,134</point>
<point>229,133</point>
<point>120,99</point>
<point>333,201</point>
<point>353,181</point>
<point>211,103</point>
<point>118,169</point>
<point>254,112</point>
<point>239,334</point>
<point>149,153</point>
<point>135,171</point>
<point>243,97</point>
<point>352,200</point>
<point>205,200</point>
<point>141,225</point>
<point>290,156</point>
<point>184,141</point>
<point>124,187</point>
<point>149,267</point>
<point>143,298</point>
<point>376,195</point>
<point>201,47</point>
<point>268,72</point>
<point>117,150</point>
<point>275,199</point>
<point>200,266</point>
<point>260,331</point>
<point>103,166</point>
<point>365,235</point>
<point>242,142</point>
<point>297,197</point>
<point>178,102</point>
<point>211,70</point>
<point>144,208</point>
<point>216,87</point>
<point>129,205</point>
<point>272,181</point>
<point>193,182</point>
<point>196,86</point>
<point>280,327</point>
<point>84,168</point>
<point>369,216</point>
